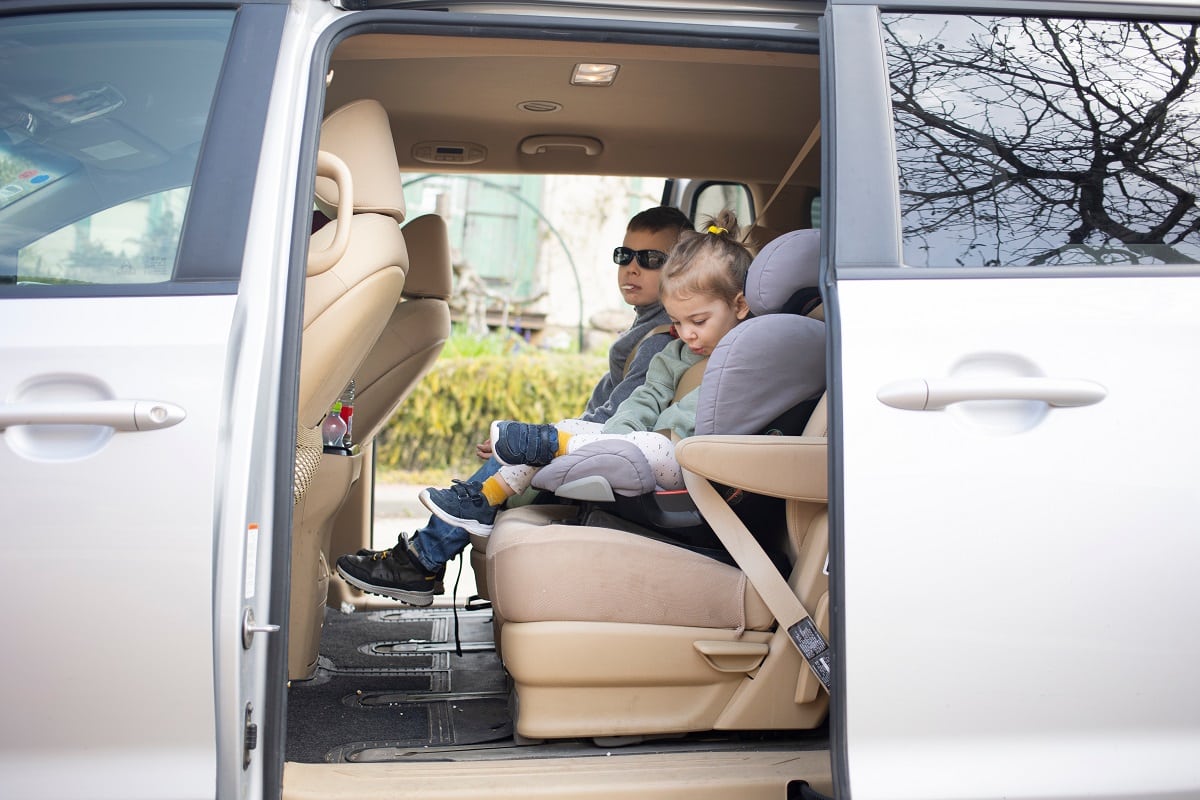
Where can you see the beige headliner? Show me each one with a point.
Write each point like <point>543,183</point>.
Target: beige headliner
<point>673,111</point>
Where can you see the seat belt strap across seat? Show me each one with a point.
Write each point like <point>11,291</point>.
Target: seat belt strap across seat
<point>750,557</point>
<point>809,144</point>
<point>655,331</point>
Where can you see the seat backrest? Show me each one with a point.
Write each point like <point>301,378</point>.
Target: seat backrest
<point>774,361</point>
<point>415,333</point>
<point>355,275</point>
<point>782,279</point>
<point>349,299</point>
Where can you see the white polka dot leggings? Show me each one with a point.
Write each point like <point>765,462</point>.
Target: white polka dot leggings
<point>658,449</point>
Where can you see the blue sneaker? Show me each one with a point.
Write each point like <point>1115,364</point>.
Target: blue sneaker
<point>462,505</point>
<point>524,443</point>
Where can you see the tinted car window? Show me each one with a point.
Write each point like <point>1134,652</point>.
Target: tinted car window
<point>101,120</point>
<point>1028,142</point>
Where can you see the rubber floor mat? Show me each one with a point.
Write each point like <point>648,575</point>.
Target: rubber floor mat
<point>333,714</point>
<point>392,679</point>
<point>404,639</point>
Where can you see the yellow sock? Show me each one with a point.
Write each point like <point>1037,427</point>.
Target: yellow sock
<point>563,438</point>
<point>495,491</point>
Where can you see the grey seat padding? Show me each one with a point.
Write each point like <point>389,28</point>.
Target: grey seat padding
<point>744,388</point>
<point>618,461</point>
<point>786,264</point>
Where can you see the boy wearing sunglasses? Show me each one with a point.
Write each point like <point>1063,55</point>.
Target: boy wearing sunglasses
<point>412,570</point>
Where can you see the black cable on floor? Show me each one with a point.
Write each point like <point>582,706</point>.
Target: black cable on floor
<point>454,606</point>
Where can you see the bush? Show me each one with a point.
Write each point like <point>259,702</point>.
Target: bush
<point>448,413</point>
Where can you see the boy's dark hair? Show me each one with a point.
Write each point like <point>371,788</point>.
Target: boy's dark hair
<point>658,219</point>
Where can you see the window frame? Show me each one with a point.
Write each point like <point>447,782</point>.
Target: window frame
<point>214,228</point>
<point>913,159</point>
<point>864,214</point>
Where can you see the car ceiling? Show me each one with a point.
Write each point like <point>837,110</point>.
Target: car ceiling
<point>721,114</point>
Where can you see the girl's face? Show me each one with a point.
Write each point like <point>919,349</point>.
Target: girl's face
<point>702,319</point>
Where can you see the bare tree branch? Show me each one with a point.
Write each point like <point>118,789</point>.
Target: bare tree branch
<point>1064,139</point>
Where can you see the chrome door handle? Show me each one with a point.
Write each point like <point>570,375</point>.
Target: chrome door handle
<point>121,415</point>
<point>934,394</point>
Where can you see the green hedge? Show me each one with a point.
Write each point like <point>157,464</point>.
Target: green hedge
<point>439,424</point>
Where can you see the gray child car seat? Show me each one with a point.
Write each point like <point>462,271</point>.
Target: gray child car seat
<point>609,633</point>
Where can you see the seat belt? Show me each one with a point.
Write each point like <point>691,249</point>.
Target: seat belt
<point>809,144</point>
<point>657,329</point>
<point>750,557</point>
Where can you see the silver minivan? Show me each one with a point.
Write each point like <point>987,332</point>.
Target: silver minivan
<point>999,537</point>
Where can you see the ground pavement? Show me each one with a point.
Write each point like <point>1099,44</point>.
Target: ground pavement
<point>398,509</point>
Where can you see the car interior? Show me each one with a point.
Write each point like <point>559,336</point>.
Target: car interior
<point>600,629</point>
<point>623,641</point>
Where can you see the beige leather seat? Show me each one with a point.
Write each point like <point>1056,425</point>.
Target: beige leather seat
<point>612,633</point>
<point>411,342</point>
<point>415,333</point>
<point>607,633</point>
<point>356,273</point>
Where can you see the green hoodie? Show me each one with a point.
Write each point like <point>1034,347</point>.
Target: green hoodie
<point>650,407</point>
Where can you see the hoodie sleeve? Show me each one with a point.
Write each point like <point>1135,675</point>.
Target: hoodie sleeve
<point>634,378</point>
<point>641,409</point>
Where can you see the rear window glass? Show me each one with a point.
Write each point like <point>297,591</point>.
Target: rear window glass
<point>1029,142</point>
<point>101,120</point>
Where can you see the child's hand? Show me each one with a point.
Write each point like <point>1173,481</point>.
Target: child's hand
<point>484,450</point>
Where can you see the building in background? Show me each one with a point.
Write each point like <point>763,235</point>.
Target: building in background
<point>534,253</point>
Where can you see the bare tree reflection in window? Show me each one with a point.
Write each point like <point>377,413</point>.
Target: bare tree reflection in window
<point>1045,141</point>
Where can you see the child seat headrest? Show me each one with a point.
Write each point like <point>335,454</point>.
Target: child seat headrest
<point>787,264</point>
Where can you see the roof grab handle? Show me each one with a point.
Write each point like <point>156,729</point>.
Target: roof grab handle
<point>541,145</point>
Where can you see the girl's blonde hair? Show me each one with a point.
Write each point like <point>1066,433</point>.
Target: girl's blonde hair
<point>708,261</point>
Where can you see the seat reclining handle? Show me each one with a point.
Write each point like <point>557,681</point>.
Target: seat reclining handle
<point>750,557</point>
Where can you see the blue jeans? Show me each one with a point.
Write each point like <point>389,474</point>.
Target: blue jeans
<point>438,541</point>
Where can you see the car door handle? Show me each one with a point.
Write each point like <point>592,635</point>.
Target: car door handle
<point>934,394</point>
<point>121,415</point>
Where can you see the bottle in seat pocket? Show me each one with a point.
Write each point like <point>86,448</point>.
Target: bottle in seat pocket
<point>347,413</point>
<point>333,429</point>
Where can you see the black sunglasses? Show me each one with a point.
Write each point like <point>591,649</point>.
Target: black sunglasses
<point>648,259</point>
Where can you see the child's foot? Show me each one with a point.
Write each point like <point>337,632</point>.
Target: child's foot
<point>523,443</point>
<point>401,548</point>
<point>392,573</point>
<point>462,505</point>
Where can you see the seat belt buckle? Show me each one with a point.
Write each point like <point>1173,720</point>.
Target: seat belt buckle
<point>812,645</point>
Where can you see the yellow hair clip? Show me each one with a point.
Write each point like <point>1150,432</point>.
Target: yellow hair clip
<point>715,231</point>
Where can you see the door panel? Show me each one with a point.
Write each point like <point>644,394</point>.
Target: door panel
<point>1013,311</point>
<point>1020,601</point>
<point>107,550</point>
<point>136,402</point>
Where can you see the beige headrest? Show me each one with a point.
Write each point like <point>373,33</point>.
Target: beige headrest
<point>429,269</point>
<point>360,135</point>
